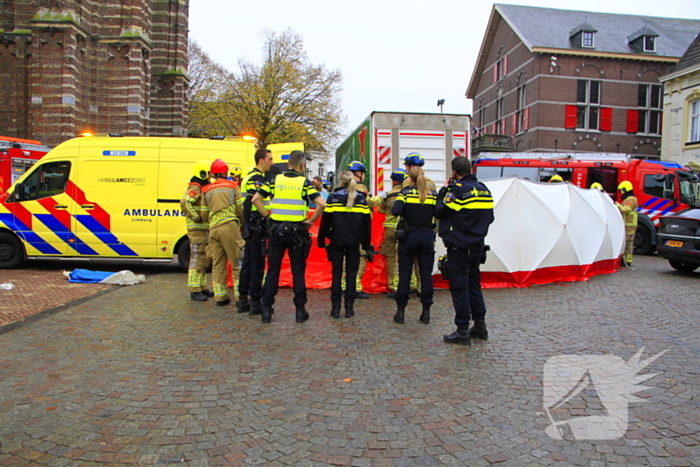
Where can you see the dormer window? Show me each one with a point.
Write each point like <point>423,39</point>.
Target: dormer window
<point>583,36</point>
<point>649,44</point>
<point>643,40</point>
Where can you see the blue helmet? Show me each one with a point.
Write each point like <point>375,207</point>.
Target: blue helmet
<point>326,184</point>
<point>357,166</point>
<point>414,159</point>
<point>399,175</point>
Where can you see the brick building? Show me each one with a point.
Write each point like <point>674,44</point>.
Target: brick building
<point>108,66</point>
<point>573,81</point>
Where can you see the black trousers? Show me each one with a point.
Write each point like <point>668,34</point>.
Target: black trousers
<point>351,255</point>
<point>277,245</point>
<point>252,268</point>
<point>420,244</point>
<point>465,285</point>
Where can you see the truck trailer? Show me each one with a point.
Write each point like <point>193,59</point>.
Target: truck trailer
<point>383,140</point>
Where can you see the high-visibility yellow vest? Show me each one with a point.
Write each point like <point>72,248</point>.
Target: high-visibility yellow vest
<point>288,203</point>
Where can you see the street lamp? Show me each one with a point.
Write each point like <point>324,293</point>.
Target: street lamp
<point>440,103</point>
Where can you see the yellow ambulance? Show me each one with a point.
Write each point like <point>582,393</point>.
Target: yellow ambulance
<point>111,197</point>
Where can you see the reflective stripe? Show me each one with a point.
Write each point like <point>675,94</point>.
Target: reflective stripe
<point>338,207</point>
<point>471,203</point>
<point>288,203</point>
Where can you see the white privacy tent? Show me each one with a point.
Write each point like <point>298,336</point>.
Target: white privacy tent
<point>550,232</point>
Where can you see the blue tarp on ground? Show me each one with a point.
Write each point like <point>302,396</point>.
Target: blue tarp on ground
<point>87,276</point>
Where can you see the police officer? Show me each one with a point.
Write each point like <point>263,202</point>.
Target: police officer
<point>197,216</point>
<point>465,211</point>
<point>288,230</point>
<point>416,234</point>
<point>347,224</point>
<point>254,234</point>
<point>628,208</point>
<point>388,247</point>
<point>414,159</point>
<point>359,171</point>
<point>223,197</point>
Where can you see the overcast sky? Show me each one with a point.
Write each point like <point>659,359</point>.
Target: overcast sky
<point>395,55</point>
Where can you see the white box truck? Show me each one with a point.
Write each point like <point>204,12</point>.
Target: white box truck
<point>383,140</point>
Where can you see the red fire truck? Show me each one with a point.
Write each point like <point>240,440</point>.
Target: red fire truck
<point>16,156</point>
<point>661,187</point>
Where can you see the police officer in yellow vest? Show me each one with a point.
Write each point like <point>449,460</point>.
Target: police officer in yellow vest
<point>254,234</point>
<point>288,230</point>
<point>359,171</point>
<point>223,198</point>
<point>388,247</point>
<point>628,208</point>
<point>197,216</point>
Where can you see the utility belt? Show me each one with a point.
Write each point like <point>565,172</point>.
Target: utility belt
<point>257,225</point>
<point>451,246</point>
<point>403,228</point>
<point>301,237</point>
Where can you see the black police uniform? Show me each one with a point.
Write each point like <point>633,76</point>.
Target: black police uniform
<point>293,237</point>
<point>346,229</point>
<point>465,211</point>
<point>254,233</point>
<point>417,221</point>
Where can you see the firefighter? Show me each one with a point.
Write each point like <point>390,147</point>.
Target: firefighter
<point>197,216</point>
<point>222,197</point>
<point>555,179</point>
<point>628,209</point>
<point>597,186</point>
<point>465,211</point>
<point>346,223</point>
<point>288,230</point>
<point>388,246</point>
<point>416,235</point>
<point>236,174</point>
<point>359,171</point>
<point>254,234</point>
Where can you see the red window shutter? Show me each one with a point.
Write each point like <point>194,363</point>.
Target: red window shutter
<point>526,118</point>
<point>606,119</point>
<point>505,65</point>
<point>661,123</point>
<point>570,117</point>
<point>495,72</point>
<point>503,126</point>
<point>514,124</point>
<point>632,120</point>
<point>493,128</point>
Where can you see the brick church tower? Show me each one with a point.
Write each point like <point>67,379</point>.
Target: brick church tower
<point>107,66</point>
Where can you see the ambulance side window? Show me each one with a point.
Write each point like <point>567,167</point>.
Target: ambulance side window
<point>46,180</point>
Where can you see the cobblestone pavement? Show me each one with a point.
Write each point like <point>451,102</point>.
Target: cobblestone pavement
<point>143,376</point>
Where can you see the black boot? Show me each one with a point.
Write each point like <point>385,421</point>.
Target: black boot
<point>460,336</point>
<point>398,317</point>
<point>335,310</point>
<point>208,293</point>
<point>224,302</point>
<point>198,297</point>
<point>266,312</point>
<point>425,314</point>
<point>478,331</point>
<point>349,308</point>
<point>243,304</point>
<point>302,314</point>
<point>255,307</point>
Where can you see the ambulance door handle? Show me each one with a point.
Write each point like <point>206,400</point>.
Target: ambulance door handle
<point>60,206</point>
<point>87,206</point>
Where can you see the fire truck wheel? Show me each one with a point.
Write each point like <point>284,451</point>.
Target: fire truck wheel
<point>11,251</point>
<point>183,255</point>
<point>642,241</point>
<point>683,267</point>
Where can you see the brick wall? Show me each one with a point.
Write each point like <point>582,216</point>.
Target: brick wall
<point>105,66</point>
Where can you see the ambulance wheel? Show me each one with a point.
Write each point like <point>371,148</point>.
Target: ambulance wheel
<point>682,267</point>
<point>11,251</point>
<point>183,255</point>
<point>642,241</point>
